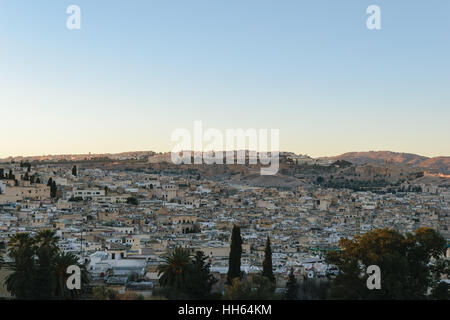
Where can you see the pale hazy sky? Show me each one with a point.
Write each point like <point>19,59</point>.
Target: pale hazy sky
<point>137,70</point>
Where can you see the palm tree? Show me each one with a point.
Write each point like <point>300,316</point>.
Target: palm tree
<point>61,262</point>
<point>20,282</point>
<point>47,239</point>
<point>175,268</point>
<point>18,243</point>
<point>47,249</point>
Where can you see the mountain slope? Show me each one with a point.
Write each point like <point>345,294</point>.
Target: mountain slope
<point>441,164</point>
<point>380,157</point>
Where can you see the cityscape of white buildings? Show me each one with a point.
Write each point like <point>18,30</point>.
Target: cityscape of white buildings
<point>96,220</point>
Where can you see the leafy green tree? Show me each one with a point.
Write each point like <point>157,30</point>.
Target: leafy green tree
<point>267,263</point>
<point>262,289</point>
<point>406,264</point>
<point>234,261</point>
<point>200,280</point>
<point>74,171</point>
<point>237,290</point>
<point>291,287</point>
<point>133,201</point>
<point>441,289</point>
<point>259,288</point>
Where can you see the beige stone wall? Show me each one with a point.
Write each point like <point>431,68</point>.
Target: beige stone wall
<point>35,192</point>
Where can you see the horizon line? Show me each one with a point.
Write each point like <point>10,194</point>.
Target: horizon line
<point>168,152</point>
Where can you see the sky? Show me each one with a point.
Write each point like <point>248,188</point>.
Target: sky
<point>138,70</point>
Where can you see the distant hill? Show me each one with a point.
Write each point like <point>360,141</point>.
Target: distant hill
<point>81,157</point>
<point>441,164</point>
<point>435,164</point>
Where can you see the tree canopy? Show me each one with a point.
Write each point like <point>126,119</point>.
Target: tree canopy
<point>39,269</point>
<point>410,264</point>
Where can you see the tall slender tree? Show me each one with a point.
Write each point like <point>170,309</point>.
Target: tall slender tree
<point>53,189</point>
<point>234,261</point>
<point>267,262</point>
<point>74,171</point>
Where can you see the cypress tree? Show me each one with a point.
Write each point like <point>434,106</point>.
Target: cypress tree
<point>267,263</point>
<point>74,171</point>
<point>53,189</point>
<point>10,175</point>
<point>234,262</point>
